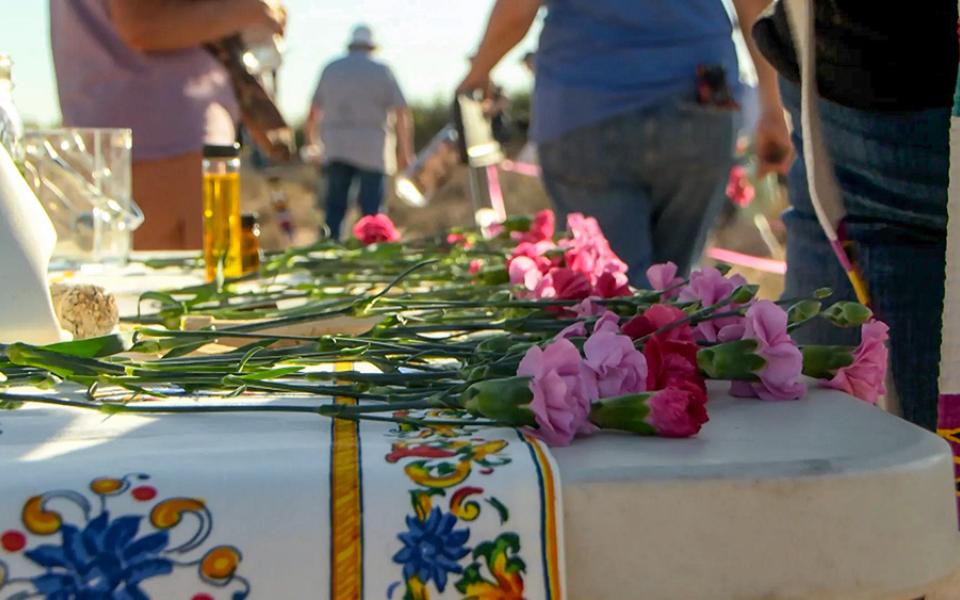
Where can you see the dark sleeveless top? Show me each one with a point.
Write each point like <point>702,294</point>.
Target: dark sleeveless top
<point>873,54</point>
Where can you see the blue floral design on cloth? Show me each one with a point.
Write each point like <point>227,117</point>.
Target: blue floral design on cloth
<point>104,560</point>
<point>432,548</point>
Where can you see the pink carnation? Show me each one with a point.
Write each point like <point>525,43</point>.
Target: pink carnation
<point>677,412</point>
<point>587,308</point>
<point>542,228</point>
<point>766,323</point>
<point>475,266</point>
<point>374,229</point>
<point>563,389</point>
<point>662,277</point>
<point>524,271</point>
<point>620,368</point>
<point>608,321</point>
<point>577,329</point>
<point>589,252</point>
<point>708,286</point>
<point>866,377</point>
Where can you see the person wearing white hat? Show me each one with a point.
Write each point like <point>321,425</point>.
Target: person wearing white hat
<point>358,106</point>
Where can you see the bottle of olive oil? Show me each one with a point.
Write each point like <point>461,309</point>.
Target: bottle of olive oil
<point>222,250</point>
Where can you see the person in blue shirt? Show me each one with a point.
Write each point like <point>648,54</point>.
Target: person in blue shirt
<point>625,129</point>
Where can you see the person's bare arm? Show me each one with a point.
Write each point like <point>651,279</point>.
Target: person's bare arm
<point>404,125</point>
<point>509,22</point>
<point>772,137</point>
<point>312,124</point>
<point>158,25</point>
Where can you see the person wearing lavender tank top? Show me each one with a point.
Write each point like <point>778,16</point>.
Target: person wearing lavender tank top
<point>140,64</point>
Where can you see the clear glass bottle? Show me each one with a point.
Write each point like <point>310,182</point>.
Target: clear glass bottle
<point>250,242</point>
<point>11,127</point>
<point>222,243</point>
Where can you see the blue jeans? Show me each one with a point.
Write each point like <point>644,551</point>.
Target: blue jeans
<point>340,177</point>
<point>892,169</point>
<point>654,179</point>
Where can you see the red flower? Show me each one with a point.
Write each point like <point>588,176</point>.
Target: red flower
<point>671,355</point>
<point>611,285</point>
<point>454,239</point>
<point>739,189</point>
<point>656,317</point>
<point>563,284</point>
<point>373,229</point>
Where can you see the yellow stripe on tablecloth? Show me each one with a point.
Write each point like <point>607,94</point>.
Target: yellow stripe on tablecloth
<point>550,539</point>
<point>346,527</point>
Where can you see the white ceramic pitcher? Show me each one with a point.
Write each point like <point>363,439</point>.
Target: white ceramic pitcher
<point>27,239</point>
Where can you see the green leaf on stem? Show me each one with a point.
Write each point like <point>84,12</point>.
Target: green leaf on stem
<point>96,347</point>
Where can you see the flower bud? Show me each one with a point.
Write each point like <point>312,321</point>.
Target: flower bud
<point>626,413</point>
<point>822,293</point>
<point>733,360</point>
<point>504,400</point>
<point>744,293</point>
<point>822,362</point>
<point>803,311</point>
<point>848,314</point>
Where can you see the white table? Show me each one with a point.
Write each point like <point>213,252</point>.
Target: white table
<point>825,497</point>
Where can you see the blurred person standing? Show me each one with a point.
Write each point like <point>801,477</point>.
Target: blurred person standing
<point>635,114</point>
<point>140,64</point>
<point>886,79</point>
<point>356,104</point>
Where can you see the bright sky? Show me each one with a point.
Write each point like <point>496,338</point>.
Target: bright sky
<point>425,41</point>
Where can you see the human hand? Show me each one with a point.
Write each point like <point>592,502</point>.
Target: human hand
<point>476,80</point>
<point>311,154</point>
<point>404,160</point>
<point>772,144</point>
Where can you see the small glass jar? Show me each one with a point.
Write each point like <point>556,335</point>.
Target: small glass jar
<point>250,242</point>
<point>222,252</point>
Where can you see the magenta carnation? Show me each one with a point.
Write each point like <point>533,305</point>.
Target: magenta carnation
<point>676,412</point>
<point>373,229</point>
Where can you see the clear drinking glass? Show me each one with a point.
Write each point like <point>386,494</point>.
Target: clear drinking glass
<point>82,177</point>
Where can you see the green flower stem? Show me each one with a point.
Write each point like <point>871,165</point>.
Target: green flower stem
<point>15,399</point>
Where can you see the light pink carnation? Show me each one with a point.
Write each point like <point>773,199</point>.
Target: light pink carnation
<point>563,389</point>
<point>708,286</point>
<point>620,368</point>
<point>866,377</point>
<point>780,377</point>
<point>663,276</point>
